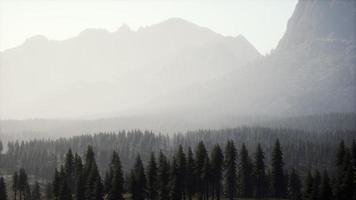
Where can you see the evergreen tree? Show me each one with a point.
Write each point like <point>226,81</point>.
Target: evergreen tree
<point>27,193</point>
<point>3,192</point>
<point>69,169</point>
<point>56,184</point>
<point>201,154</point>
<point>260,174</point>
<point>152,178</point>
<point>15,184</point>
<point>163,177</point>
<point>22,183</point>
<point>278,185</point>
<point>48,192</point>
<point>190,175</point>
<point>80,187</point>
<point>245,184</point>
<point>181,164</point>
<point>36,191</point>
<point>294,186</point>
<point>217,165</point>
<point>230,170</point>
<point>316,185</point>
<point>175,190</point>
<point>206,174</point>
<point>64,192</point>
<point>116,179</point>
<point>308,187</point>
<point>138,187</point>
<point>325,188</point>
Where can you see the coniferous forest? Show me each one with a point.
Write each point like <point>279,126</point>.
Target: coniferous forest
<point>241,163</point>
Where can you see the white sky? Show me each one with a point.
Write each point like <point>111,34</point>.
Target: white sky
<point>262,22</point>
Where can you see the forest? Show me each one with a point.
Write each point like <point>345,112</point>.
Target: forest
<point>223,172</point>
<point>244,162</point>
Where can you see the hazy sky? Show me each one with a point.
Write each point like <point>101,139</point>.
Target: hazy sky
<point>261,22</point>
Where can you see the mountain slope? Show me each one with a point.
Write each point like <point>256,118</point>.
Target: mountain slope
<point>313,70</point>
<point>100,71</point>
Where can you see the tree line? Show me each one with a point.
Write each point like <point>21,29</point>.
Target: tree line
<point>223,172</point>
<point>302,149</point>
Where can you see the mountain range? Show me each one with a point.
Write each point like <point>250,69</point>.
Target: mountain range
<point>177,74</point>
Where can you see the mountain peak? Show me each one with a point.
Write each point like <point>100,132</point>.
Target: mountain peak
<point>320,20</point>
<point>36,39</point>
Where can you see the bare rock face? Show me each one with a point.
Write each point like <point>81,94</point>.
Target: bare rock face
<point>320,20</point>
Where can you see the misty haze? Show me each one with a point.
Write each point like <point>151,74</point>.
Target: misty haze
<point>170,100</point>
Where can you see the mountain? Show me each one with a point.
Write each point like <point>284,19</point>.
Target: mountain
<point>103,72</point>
<point>311,71</point>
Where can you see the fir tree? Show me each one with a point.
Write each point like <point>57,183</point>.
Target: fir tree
<point>22,183</point>
<point>138,187</point>
<point>201,154</point>
<point>115,188</point>
<point>260,174</point>
<point>69,169</point>
<point>325,188</point>
<point>64,192</point>
<point>308,187</point>
<point>15,184</point>
<point>294,186</point>
<point>278,186</point>
<point>245,174</point>
<point>206,174</point>
<point>152,179</point>
<point>163,177</point>
<point>217,165</point>
<point>175,190</point>
<point>3,192</point>
<point>316,185</point>
<point>181,164</point>
<point>36,191</point>
<point>190,175</point>
<point>230,171</point>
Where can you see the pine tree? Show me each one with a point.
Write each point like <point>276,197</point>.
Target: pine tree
<point>245,174</point>
<point>116,179</point>
<point>201,154</point>
<point>152,179</point>
<point>163,177</point>
<point>190,175</point>
<point>36,192</point>
<point>48,192</point>
<point>27,193</point>
<point>56,184</point>
<point>94,188</point>
<point>308,187</point>
<point>64,192</point>
<point>217,165</point>
<point>325,188</point>
<point>294,186</point>
<point>80,187</point>
<point>260,174</point>
<point>206,174</point>
<point>230,171</point>
<point>316,185</point>
<point>3,192</point>
<point>181,164</point>
<point>345,174</point>
<point>15,184</point>
<point>138,187</point>
<point>278,186</point>
<point>22,183</point>
<point>69,169</point>
<point>175,190</point>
